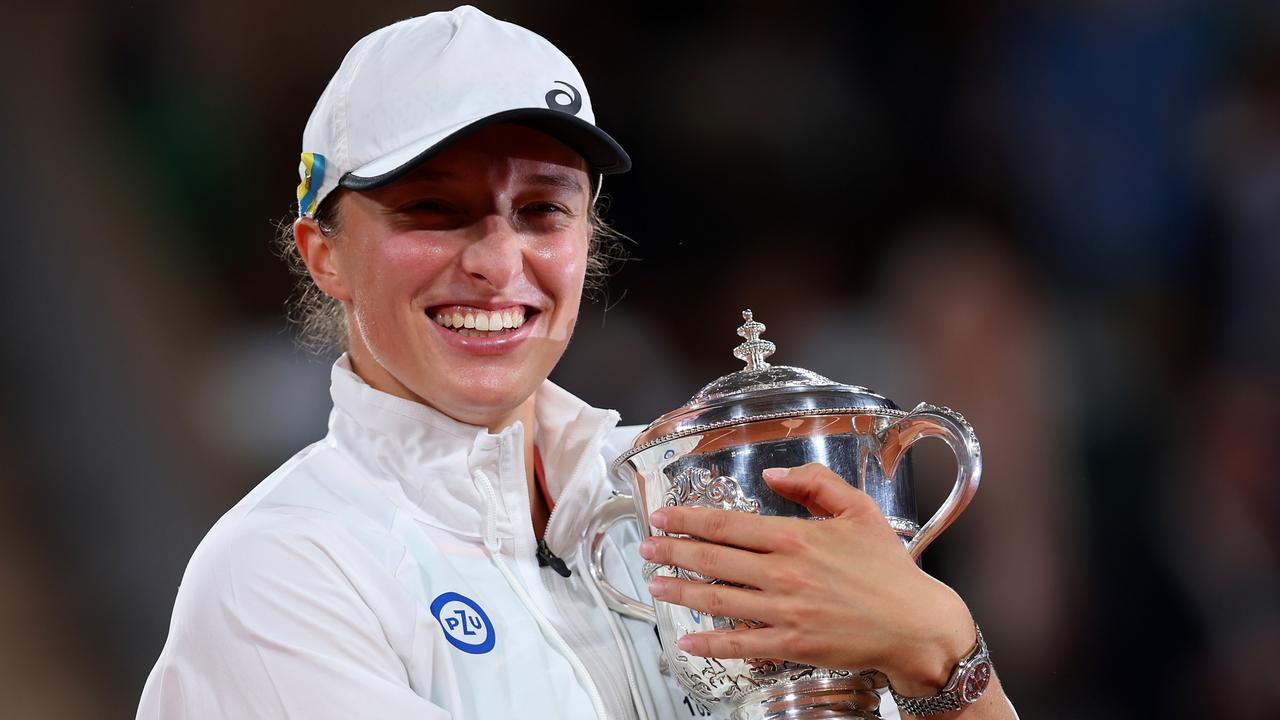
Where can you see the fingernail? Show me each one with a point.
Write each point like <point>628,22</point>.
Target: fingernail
<point>648,548</point>
<point>658,586</point>
<point>658,519</point>
<point>776,473</point>
<point>685,643</point>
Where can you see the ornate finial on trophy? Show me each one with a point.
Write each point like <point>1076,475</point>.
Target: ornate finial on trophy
<point>754,351</point>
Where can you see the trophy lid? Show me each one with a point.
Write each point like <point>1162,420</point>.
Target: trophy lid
<point>761,391</point>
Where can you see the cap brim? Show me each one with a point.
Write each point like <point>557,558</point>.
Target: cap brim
<point>603,154</point>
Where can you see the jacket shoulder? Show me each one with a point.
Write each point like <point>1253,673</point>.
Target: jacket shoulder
<point>273,601</point>
<point>307,519</point>
<point>620,440</point>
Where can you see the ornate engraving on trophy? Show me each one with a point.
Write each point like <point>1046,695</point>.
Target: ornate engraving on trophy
<point>714,680</point>
<point>697,487</point>
<point>711,677</point>
<point>703,679</point>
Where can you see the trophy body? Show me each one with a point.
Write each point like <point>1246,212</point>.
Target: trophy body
<point>711,453</point>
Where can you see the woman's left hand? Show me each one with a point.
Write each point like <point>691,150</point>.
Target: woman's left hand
<point>842,593</point>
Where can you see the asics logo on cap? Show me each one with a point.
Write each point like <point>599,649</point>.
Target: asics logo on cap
<point>555,95</point>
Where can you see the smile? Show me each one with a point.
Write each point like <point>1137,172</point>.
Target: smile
<point>477,322</point>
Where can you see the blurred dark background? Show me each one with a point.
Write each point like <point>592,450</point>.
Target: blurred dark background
<point>1061,218</point>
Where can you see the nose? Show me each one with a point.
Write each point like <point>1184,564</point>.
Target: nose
<point>495,257</point>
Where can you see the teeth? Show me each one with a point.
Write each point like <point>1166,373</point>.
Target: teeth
<point>480,323</point>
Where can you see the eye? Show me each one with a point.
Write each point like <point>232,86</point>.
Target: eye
<point>428,213</point>
<point>545,208</point>
<point>427,206</point>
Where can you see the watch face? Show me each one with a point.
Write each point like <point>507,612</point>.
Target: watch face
<point>976,680</point>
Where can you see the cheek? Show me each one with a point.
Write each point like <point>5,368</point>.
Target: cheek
<point>563,268</point>
<point>391,271</point>
<point>413,250</point>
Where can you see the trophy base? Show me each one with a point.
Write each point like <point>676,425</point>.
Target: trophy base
<point>826,698</point>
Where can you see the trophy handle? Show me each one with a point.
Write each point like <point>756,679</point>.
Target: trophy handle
<point>932,421</point>
<point>609,513</point>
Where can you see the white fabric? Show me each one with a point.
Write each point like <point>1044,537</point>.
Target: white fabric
<point>313,597</point>
<point>407,86</point>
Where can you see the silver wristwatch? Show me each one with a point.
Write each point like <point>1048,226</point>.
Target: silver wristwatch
<point>968,681</point>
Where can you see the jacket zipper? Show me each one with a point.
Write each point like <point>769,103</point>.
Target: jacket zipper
<point>546,558</point>
<point>494,547</point>
<point>615,631</point>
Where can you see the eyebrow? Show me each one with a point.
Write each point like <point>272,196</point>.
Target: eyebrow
<point>428,175</point>
<point>567,182</point>
<point>557,180</point>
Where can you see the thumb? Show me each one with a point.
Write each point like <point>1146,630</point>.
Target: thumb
<point>820,490</point>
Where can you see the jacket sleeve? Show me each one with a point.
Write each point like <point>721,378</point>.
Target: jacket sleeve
<point>271,623</point>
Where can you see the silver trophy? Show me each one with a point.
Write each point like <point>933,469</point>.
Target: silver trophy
<point>711,452</point>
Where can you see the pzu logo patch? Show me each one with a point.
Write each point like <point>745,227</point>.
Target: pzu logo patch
<point>465,625</point>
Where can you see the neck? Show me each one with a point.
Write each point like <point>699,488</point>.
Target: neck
<point>493,419</point>
<point>377,377</point>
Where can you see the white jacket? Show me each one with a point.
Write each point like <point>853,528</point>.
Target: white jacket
<point>388,571</point>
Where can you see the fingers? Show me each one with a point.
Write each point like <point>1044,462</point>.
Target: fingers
<point>819,489</point>
<point>759,642</point>
<point>718,600</point>
<point>709,559</point>
<point>726,527</point>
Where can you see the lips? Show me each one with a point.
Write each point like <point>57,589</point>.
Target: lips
<point>487,331</point>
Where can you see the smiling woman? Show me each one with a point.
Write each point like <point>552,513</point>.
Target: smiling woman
<point>420,561</point>
<point>495,222</point>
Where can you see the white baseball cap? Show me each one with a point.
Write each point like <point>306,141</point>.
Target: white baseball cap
<point>406,91</point>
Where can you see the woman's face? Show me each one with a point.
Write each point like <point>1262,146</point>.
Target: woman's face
<point>462,280</point>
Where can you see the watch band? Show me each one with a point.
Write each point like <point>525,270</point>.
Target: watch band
<point>967,683</point>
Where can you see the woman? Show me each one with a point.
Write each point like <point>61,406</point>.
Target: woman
<point>419,561</point>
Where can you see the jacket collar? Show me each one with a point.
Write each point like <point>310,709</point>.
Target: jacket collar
<point>426,461</point>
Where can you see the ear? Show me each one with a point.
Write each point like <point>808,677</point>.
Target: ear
<point>322,260</point>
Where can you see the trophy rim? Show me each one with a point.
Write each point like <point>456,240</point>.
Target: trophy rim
<point>645,441</point>
<point>808,697</point>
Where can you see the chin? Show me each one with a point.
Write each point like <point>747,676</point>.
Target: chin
<point>483,404</point>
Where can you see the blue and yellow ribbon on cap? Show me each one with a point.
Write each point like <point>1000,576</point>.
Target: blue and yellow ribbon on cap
<point>311,170</point>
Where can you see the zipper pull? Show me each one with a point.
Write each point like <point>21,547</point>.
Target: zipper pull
<point>546,557</point>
